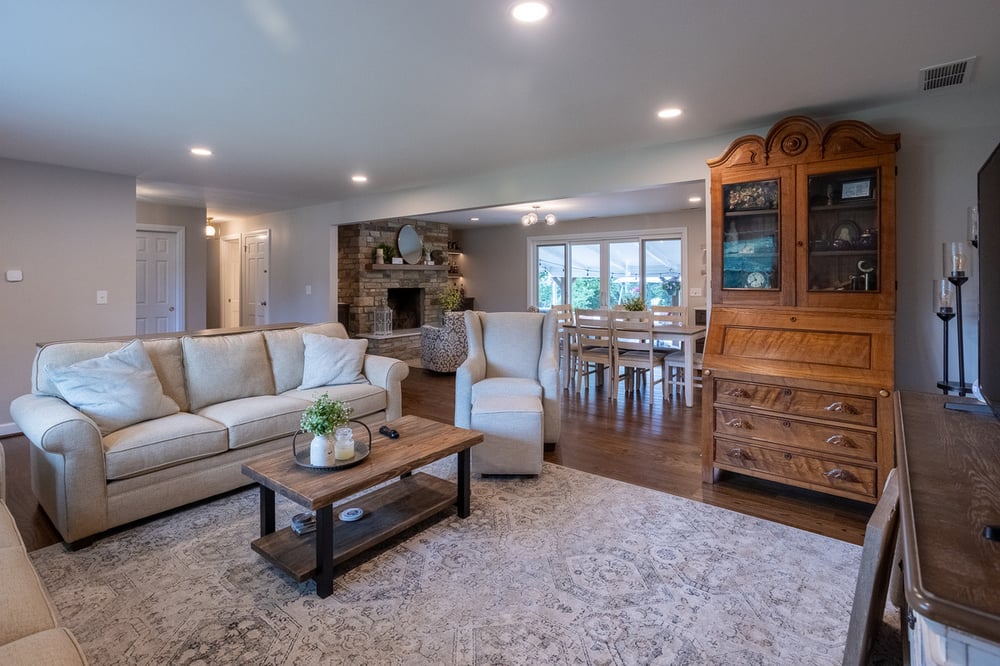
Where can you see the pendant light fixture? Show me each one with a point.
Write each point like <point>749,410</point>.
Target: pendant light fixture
<point>532,217</point>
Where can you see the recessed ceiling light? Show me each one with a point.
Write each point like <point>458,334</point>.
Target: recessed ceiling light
<point>359,178</point>
<point>473,219</point>
<point>530,12</point>
<point>201,152</point>
<point>694,199</point>
<point>669,113</point>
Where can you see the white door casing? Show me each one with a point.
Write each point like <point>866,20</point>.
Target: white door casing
<point>159,279</point>
<point>256,282</point>
<point>230,261</point>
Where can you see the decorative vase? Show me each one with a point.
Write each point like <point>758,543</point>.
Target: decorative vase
<point>343,448</point>
<point>379,255</point>
<point>321,451</point>
<point>427,258</point>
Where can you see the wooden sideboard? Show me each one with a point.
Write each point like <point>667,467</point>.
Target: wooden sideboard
<point>949,492</point>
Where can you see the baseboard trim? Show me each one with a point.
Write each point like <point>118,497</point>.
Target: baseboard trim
<point>9,429</point>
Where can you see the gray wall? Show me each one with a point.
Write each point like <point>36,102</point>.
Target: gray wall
<point>72,233</point>
<point>195,255</point>
<point>303,252</point>
<point>495,259</point>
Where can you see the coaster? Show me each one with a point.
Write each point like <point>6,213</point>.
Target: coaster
<point>350,515</point>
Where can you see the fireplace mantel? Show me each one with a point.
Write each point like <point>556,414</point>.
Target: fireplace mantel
<point>371,268</point>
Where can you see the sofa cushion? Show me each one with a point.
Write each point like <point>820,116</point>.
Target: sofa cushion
<point>287,351</point>
<point>226,367</point>
<point>62,354</point>
<point>168,361</point>
<point>332,361</point>
<point>161,443</point>
<point>9,536</point>
<point>24,604</point>
<point>52,647</point>
<point>364,399</point>
<point>258,419</point>
<point>115,390</point>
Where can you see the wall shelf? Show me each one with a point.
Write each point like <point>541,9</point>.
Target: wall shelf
<point>405,267</point>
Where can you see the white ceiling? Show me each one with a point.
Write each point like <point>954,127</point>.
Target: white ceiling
<point>295,96</point>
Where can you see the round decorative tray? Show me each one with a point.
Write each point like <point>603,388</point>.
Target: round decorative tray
<point>361,451</point>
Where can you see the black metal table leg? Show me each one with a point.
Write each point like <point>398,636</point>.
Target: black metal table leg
<point>464,488</point>
<point>266,511</point>
<point>324,552</point>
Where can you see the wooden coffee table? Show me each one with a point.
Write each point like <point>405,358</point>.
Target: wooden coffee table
<point>388,510</point>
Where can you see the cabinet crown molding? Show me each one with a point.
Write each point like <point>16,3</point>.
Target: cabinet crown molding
<point>798,138</point>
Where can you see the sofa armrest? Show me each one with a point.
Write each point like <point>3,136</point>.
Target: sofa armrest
<point>388,373</point>
<point>67,464</point>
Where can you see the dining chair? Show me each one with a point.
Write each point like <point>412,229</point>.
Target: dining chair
<point>565,322</point>
<point>593,344</point>
<point>634,349</point>
<point>669,315</point>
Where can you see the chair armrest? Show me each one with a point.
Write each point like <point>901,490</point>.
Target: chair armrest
<point>472,370</point>
<point>388,373</point>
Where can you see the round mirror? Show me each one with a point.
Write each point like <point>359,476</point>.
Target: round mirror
<point>409,245</point>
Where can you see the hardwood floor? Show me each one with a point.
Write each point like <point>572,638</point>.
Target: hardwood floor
<point>657,447</point>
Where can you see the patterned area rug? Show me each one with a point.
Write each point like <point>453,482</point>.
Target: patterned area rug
<point>568,568</point>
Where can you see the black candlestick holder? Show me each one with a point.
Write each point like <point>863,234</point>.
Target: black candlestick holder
<point>957,279</point>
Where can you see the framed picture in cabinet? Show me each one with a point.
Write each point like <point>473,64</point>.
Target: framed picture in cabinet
<point>856,189</point>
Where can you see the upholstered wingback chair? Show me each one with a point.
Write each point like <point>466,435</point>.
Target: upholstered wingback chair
<point>443,349</point>
<point>511,353</point>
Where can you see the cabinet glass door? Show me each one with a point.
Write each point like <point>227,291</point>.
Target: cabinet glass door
<point>751,235</point>
<point>843,232</point>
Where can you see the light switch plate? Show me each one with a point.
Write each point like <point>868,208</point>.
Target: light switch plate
<point>14,276</point>
<point>695,291</point>
<point>102,297</point>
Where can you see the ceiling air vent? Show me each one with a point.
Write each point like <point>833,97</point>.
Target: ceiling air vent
<point>954,73</point>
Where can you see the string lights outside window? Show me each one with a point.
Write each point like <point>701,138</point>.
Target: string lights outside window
<point>532,218</point>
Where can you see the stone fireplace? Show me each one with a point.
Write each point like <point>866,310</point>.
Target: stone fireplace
<point>412,291</point>
<point>407,304</point>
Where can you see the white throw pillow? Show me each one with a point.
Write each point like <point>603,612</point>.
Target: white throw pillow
<point>331,361</point>
<point>115,390</point>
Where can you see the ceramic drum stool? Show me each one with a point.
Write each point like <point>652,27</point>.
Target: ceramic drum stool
<point>513,427</point>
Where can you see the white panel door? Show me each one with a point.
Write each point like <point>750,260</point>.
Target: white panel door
<point>256,259</point>
<point>230,262</point>
<point>156,284</point>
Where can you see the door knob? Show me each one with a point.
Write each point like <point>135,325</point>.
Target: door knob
<point>171,308</point>
<point>263,304</point>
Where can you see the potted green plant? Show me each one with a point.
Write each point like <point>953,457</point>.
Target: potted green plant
<point>634,303</point>
<point>321,418</point>
<point>383,253</point>
<point>451,298</point>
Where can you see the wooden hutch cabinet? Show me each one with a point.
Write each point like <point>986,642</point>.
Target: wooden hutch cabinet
<point>798,366</point>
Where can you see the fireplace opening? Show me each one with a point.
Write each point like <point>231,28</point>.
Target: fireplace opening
<point>407,307</point>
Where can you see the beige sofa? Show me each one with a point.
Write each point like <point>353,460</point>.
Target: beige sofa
<point>235,395</point>
<point>29,627</point>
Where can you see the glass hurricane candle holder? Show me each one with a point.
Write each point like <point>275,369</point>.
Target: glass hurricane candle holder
<point>973,215</point>
<point>944,298</point>
<point>956,259</point>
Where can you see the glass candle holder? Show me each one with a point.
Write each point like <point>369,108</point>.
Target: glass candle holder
<point>343,448</point>
<point>973,216</point>
<point>956,259</point>
<point>944,297</point>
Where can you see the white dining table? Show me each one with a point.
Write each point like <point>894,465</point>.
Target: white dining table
<point>687,336</point>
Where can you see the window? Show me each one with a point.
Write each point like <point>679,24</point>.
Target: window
<point>607,269</point>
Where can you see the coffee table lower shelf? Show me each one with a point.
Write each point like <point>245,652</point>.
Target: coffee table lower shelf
<point>388,511</point>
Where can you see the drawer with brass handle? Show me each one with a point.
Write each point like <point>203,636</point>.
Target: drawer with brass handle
<point>797,402</point>
<point>845,479</point>
<point>815,437</point>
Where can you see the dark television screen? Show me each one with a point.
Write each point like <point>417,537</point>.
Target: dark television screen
<point>989,281</point>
